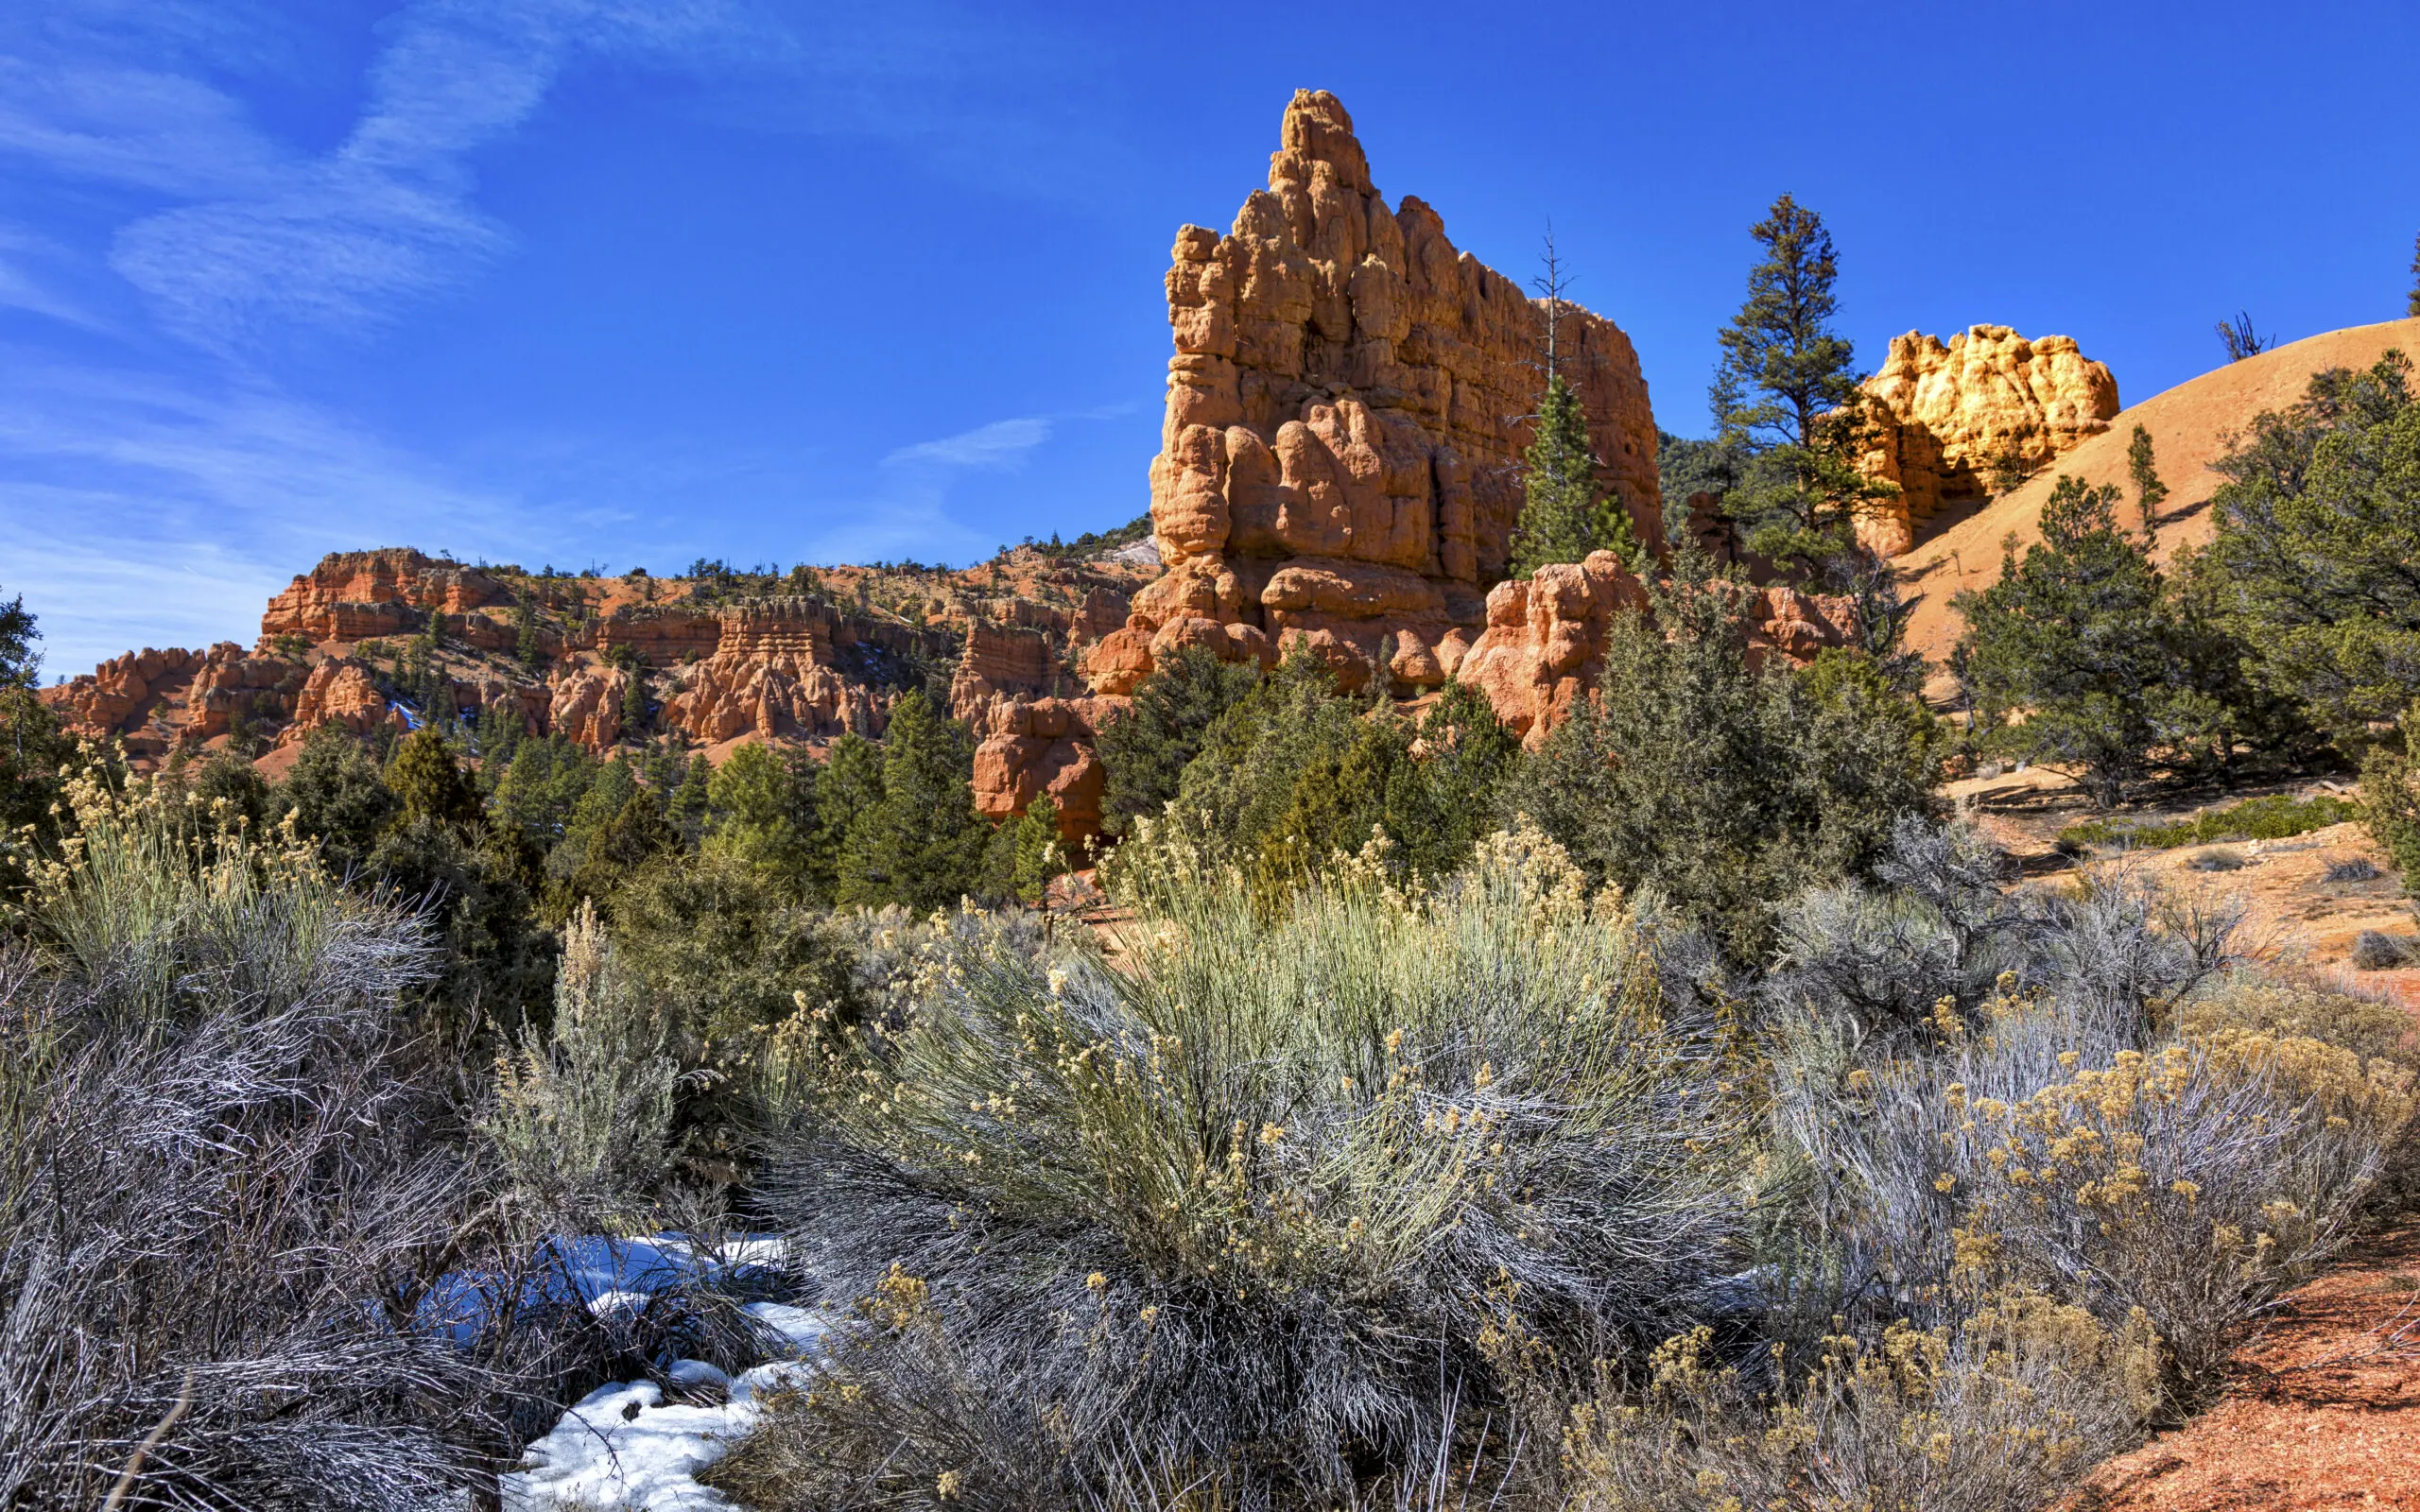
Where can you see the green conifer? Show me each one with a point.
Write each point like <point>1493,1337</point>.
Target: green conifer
<point>922,846</point>
<point>1787,400</point>
<point>1563,517</point>
<point>2148,491</point>
<point>755,816</point>
<point>430,784</point>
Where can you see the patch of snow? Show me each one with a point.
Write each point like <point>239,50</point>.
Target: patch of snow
<point>803,1326</point>
<point>623,1445</point>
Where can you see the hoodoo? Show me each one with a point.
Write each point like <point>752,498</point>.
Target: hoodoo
<point>1346,408</point>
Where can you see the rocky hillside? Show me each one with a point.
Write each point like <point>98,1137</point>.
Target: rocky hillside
<point>2189,425</point>
<point>1337,473</point>
<point>384,639</point>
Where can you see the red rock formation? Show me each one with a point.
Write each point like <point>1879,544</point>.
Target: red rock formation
<point>1949,413</point>
<point>340,691</point>
<point>1032,747</point>
<point>1339,453</point>
<point>353,595</point>
<point>790,668</point>
<point>1004,659</point>
<point>662,634</point>
<point>1545,645</point>
<point>587,704</point>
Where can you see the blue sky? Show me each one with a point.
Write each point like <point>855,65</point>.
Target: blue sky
<point>611,281</point>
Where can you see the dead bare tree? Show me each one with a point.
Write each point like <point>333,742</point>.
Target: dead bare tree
<point>2241,339</point>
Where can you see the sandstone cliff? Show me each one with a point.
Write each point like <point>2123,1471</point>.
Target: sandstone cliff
<point>1345,413</point>
<point>745,660</point>
<point>1947,414</point>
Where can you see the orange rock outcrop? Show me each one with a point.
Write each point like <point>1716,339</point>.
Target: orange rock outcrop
<point>354,596</point>
<point>1032,747</point>
<point>1339,453</point>
<point>1946,414</point>
<point>1544,647</point>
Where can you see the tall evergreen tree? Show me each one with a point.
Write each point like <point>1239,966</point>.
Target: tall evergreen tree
<point>2412,300</point>
<point>2084,656</point>
<point>1786,399</point>
<point>2148,491</point>
<point>32,749</point>
<point>758,815</point>
<point>1145,749</point>
<point>430,784</point>
<point>1564,516</point>
<point>847,786</point>
<point>635,835</point>
<point>922,846</point>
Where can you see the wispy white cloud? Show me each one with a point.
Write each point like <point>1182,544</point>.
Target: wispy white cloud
<point>136,510</point>
<point>1003,443</point>
<point>22,288</point>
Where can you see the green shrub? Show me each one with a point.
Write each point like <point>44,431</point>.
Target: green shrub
<point>1145,749</point>
<point>1241,1202</point>
<point>1725,790</point>
<point>2276,816</point>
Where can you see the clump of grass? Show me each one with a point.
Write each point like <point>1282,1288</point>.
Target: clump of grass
<point>1260,1200</point>
<point>2275,818</point>
<point>1997,1412</point>
<point>2353,869</point>
<point>2219,858</point>
<point>2377,950</point>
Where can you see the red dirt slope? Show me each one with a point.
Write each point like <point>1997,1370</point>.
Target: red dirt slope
<point>2323,1412</point>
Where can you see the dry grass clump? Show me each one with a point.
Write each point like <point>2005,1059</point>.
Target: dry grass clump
<point>1257,1203</point>
<point>219,1184</point>
<point>582,1118</point>
<point>2118,1123</point>
<point>1997,1412</point>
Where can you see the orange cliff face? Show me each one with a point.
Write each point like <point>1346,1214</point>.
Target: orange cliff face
<point>1339,460</point>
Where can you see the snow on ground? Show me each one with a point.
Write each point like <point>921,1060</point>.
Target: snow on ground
<point>624,1446</point>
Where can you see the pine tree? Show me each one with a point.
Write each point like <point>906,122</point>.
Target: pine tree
<point>2412,300</point>
<point>2148,491</point>
<point>922,846</point>
<point>635,708</point>
<point>2318,529</point>
<point>335,798</point>
<point>430,784</point>
<point>2111,670</point>
<point>847,786</point>
<point>636,835</point>
<point>1562,516</point>
<point>1145,749</point>
<point>692,799</point>
<point>1026,852</point>
<point>32,747</point>
<point>1787,400</point>
<point>756,815</point>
